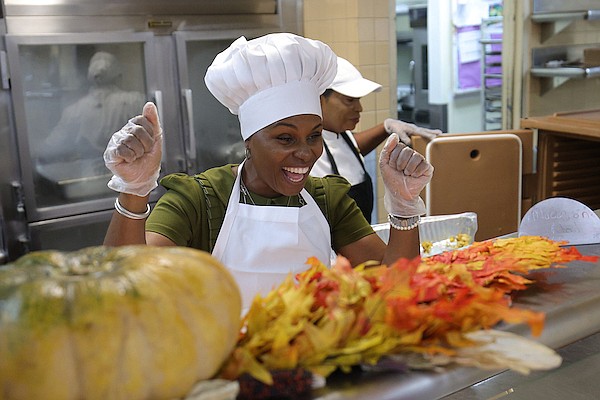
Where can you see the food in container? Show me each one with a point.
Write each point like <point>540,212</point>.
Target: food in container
<point>440,233</point>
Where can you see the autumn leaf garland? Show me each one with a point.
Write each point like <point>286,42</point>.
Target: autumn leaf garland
<point>343,316</point>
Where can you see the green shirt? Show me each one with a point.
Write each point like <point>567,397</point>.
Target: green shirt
<point>191,212</point>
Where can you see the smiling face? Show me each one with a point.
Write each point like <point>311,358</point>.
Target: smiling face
<point>340,113</point>
<point>282,155</point>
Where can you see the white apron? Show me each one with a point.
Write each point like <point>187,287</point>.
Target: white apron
<point>261,245</point>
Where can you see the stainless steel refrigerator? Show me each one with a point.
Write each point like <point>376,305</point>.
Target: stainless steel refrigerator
<point>73,71</point>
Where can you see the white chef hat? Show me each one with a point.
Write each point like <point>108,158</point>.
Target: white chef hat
<point>350,82</point>
<point>104,68</point>
<point>270,78</point>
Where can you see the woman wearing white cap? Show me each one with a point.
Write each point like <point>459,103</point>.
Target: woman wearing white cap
<point>264,218</point>
<point>344,150</point>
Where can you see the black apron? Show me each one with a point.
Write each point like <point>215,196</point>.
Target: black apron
<point>362,193</point>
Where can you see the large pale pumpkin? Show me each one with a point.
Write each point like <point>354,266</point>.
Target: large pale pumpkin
<point>133,322</point>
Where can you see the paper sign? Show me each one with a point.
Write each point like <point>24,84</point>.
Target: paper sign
<point>469,48</point>
<point>562,219</point>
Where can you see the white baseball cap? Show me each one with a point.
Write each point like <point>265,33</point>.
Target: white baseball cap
<point>272,77</point>
<point>350,82</point>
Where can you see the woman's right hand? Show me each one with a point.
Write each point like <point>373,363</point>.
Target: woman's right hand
<point>134,153</point>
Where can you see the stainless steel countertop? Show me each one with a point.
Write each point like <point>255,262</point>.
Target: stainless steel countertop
<point>570,297</point>
<point>576,379</point>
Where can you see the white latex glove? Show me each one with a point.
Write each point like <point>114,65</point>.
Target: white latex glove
<point>405,173</point>
<point>404,130</point>
<point>133,154</point>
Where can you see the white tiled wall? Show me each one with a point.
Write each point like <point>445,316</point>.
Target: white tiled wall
<point>363,32</point>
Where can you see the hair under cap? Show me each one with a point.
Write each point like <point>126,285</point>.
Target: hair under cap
<point>270,78</point>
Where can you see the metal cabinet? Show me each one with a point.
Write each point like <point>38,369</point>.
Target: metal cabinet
<point>72,92</point>
<point>211,133</point>
<point>74,72</point>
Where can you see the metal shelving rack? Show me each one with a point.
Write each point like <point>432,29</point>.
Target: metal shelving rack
<point>551,24</point>
<point>491,73</point>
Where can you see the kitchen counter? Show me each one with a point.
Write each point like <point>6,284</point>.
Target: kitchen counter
<point>576,379</point>
<point>578,124</point>
<point>570,297</point>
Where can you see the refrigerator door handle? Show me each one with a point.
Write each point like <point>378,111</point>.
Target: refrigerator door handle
<point>3,248</point>
<point>4,80</point>
<point>158,100</point>
<point>19,200</point>
<point>188,120</point>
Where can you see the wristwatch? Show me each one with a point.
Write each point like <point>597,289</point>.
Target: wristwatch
<point>402,223</point>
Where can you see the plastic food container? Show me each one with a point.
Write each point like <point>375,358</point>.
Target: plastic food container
<point>438,230</point>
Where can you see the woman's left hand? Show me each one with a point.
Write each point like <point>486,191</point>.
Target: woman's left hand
<point>405,173</point>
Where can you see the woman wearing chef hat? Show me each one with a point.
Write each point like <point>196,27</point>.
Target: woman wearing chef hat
<point>265,217</point>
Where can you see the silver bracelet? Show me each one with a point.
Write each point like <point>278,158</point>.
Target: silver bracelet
<point>404,224</point>
<point>131,215</point>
